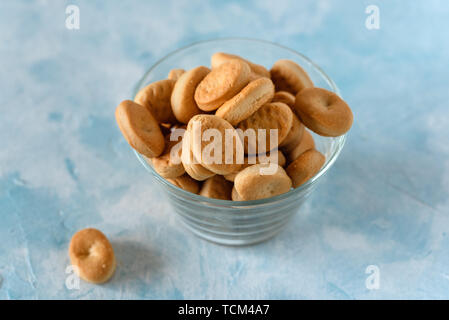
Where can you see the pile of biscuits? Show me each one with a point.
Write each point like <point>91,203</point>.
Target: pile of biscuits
<point>234,96</point>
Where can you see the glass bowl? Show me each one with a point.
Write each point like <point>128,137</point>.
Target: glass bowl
<point>244,222</point>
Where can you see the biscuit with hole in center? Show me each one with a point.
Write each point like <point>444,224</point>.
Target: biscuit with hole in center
<point>92,255</point>
<point>289,76</point>
<point>323,112</point>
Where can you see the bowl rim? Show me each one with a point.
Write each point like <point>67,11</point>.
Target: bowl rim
<point>251,203</point>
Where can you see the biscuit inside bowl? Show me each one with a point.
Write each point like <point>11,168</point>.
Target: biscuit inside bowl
<point>240,222</point>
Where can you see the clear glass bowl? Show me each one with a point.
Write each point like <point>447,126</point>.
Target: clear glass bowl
<point>246,222</point>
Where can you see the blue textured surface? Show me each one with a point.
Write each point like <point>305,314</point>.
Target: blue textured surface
<point>64,165</point>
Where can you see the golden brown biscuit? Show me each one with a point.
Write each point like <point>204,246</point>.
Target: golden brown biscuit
<point>294,136</point>
<point>306,143</point>
<point>169,164</point>
<point>174,74</point>
<point>250,184</point>
<point>285,97</point>
<point>289,76</point>
<point>217,187</point>
<point>323,112</point>
<point>156,98</point>
<point>271,116</point>
<point>305,167</point>
<point>92,255</point>
<point>186,183</point>
<point>219,58</point>
<point>197,171</point>
<point>281,159</point>
<point>221,84</point>
<point>140,128</point>
<point>250,160</point>
<point>203,147</point>
<point>235,195</point>
<point>182,99</point>
<point>254,76</point>
<point>247,101</point>
<point>191,165</point>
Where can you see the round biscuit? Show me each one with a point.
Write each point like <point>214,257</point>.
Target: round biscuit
<point>252,184</point>
<point>305,167</point>
<point>221,84</point>
<point>156,98</point>
<point>182,98</point>
<point>289,76</point>
<point>247,101</point>
<point>140,128</point>
<point>271,116</point>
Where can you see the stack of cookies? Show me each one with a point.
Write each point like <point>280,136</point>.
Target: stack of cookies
<point>235,131</point>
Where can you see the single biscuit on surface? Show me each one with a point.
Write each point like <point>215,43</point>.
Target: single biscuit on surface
<point>305,144</point>
<point>271,116</point>
<point>305,167</point>
<point>285,97</point>
<point>294,136</point>
<point>182,98</point>
<point>140,128</point>
<point>247,101</point>
<point>217,187</point>
<point>174,74</point>
<point>261,181</point>
<point>210,134</point>
<point>323,112</point>
<point>186,183</point>
<point>289,76</point>
<point>92,255</point>
<point>156,98</point>
<point>258,70</point>
<point>191,165</point>
<point>169,164</point>
<point>221,84</point>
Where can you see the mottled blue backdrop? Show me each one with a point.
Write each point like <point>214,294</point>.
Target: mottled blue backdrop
<point>64,165</point>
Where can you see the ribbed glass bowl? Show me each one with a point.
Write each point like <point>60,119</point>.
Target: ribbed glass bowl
<point>244,222</point>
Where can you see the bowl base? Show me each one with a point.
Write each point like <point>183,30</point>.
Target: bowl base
<point>236,240</point>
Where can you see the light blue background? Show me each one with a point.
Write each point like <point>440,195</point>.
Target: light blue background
<point>64,165</point>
